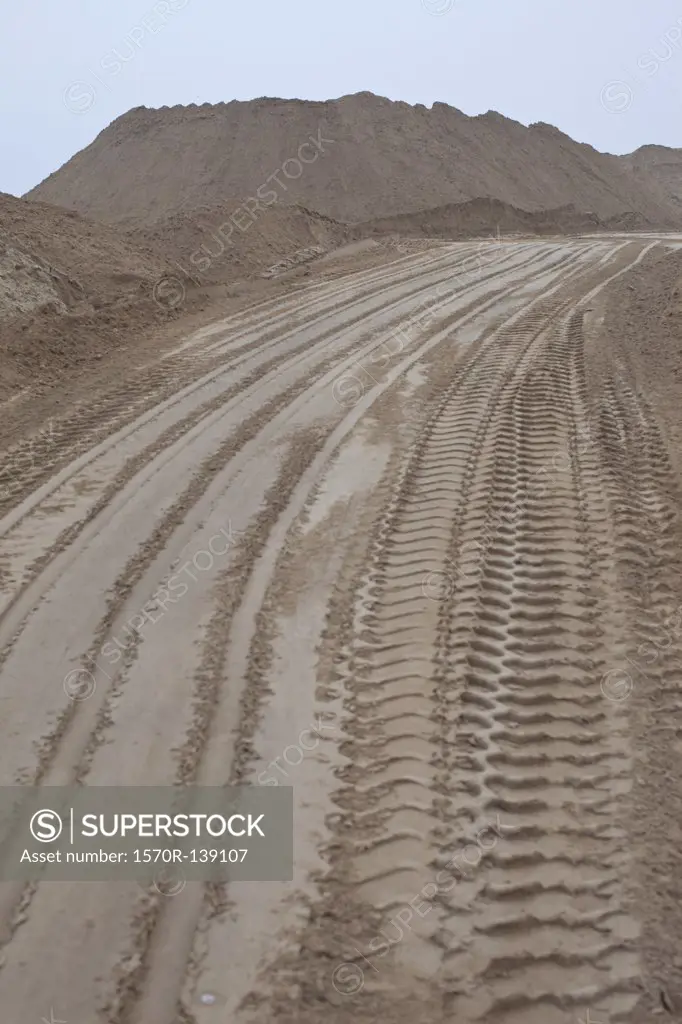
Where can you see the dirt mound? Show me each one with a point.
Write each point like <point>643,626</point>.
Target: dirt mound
<point>490,216</point>
<point>71,289</point>
<point>357,157</point>
<point>221,243</point>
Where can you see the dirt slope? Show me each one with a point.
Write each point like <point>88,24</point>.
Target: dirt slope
<point>660,165</point>
<point>381,158</point>
<point>72,289</point>
<point>53,258</point>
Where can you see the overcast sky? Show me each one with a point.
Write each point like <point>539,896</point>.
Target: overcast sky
<point>607,72</point>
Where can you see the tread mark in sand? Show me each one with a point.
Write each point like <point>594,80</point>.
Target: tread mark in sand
<point>483,705</point>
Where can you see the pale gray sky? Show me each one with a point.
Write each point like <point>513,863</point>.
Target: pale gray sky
<point>607,72</point>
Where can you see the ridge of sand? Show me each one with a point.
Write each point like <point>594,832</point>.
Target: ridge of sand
<point>491,216</point>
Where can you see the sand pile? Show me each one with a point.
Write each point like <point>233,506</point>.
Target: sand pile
<point>351,159</point>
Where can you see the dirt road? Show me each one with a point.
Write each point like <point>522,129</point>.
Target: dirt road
<point>380,515</point>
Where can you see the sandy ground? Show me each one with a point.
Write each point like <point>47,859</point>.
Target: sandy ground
<point>448,515</point>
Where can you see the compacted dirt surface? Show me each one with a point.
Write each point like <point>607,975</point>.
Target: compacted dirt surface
<point>396,540</point>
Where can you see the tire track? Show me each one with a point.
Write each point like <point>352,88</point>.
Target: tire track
<point>643,673</point>
<point>483,703</point>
